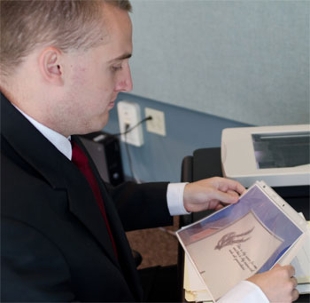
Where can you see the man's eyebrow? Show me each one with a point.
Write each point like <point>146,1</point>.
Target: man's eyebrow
<point>122,57</point>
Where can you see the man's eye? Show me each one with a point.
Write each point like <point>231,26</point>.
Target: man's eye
<point>116,68</point>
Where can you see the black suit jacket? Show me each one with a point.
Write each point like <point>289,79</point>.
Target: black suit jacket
<point>54,243</point>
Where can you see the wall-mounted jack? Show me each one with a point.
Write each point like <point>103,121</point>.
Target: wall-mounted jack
<point>128,117</point>
<point>157,124</point>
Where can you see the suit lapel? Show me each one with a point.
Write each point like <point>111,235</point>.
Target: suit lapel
<point>125,255</point>
<point>83,205</point>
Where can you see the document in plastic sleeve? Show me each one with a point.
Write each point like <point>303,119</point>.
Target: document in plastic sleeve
<point>243,239</point>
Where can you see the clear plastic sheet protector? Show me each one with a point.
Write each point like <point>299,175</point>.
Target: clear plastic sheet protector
<point>243,239</point>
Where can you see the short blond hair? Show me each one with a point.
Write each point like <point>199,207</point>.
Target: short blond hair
<point>66,24</point>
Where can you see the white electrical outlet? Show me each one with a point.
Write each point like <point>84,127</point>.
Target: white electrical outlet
<point>157,124</point>
<point>129,116</point>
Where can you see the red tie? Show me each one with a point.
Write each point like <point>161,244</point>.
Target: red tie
<point>81,161</point>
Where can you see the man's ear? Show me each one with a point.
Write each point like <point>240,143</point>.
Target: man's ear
<point>50,65</point>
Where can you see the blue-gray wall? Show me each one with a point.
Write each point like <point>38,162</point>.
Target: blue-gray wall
<point>160,158</point>
<point>242,59</point>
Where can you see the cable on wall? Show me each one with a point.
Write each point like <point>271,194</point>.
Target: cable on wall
<point>127,130</point>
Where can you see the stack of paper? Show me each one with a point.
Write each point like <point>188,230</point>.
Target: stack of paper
<point>241,240</point>
<point>195,288</point>
<point>302,266</point>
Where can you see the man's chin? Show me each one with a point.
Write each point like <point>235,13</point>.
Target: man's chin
<point>99,127</point>
<point>102,123</point>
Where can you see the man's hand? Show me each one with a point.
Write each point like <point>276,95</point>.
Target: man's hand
<point>278,284</point>
<point>211,193</point>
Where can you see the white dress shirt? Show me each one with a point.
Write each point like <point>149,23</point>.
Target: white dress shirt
<point>244,292</point>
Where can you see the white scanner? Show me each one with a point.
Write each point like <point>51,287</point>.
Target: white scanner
<point>278,155</point>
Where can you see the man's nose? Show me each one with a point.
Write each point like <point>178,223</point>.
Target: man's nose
<point>125,83</point>
<point>128,82</point>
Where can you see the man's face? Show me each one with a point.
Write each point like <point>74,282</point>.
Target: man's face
<point>97,76</point>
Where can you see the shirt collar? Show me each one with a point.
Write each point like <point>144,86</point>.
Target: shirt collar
<point>62,143</point>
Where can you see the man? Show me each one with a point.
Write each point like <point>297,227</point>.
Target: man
<point>62,65</point>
